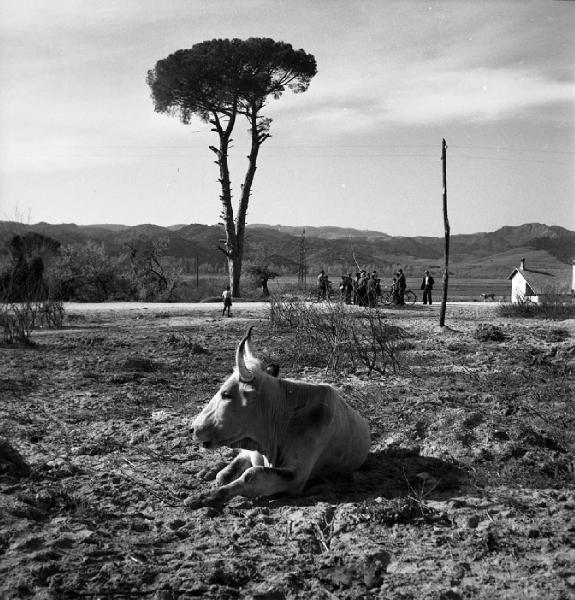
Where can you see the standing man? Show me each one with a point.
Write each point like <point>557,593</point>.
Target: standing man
<point>349,292</point>
<point>401,285</point>
<point>322,285</point>
<point>227,298</point>
<point>394,292</point>
<point>377,281</point>
<point>362,289</point>
<point>427,286</point>
<point>371,292</point>
<point>346,288</point>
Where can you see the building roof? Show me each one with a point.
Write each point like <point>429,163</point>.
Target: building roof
<point>539,281</point>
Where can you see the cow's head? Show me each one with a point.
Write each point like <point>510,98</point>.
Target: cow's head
<point>232,416</point>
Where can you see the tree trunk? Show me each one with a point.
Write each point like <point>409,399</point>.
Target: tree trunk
<point>235,231</point>
<point>265,289</point>
<point>258,135</point>
<point>230,249</point>
<point>235,273</point>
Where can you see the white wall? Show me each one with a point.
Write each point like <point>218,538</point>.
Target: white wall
<point>518,288</point>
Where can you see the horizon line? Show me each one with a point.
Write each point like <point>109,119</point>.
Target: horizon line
<point>277,225</point>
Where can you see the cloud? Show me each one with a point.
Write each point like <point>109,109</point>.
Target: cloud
<point>426,93</point>
<point>472,95</point>
<point>427,64</point>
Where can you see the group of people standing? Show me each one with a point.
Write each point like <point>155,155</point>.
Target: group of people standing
<point>362,290</point>
<point>365,287</point>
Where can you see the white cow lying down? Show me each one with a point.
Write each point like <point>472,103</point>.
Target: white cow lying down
<point>288,432</point>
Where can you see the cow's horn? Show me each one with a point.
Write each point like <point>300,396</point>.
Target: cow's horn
<point>245,374</point>
<point>249,355</point>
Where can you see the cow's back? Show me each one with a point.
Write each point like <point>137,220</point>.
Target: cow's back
<point>342,435</point>
<point>348,444</point>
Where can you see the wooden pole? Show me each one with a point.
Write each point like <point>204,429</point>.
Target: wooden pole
<point>447,230</point>
<point>197,273</point>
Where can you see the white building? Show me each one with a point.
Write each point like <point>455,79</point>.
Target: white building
<point>531,285</point>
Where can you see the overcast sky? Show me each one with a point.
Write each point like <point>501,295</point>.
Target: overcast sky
<point>80,141</point>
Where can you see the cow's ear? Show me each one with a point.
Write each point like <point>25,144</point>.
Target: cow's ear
<point>273,369</point>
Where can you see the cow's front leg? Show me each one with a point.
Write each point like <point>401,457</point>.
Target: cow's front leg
<point>241,463</point>
<point>256,481</point>
<point>264,481</point>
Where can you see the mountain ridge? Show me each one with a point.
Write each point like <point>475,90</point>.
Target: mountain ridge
<point>339,248</point>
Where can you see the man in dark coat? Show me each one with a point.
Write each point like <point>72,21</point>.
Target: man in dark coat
<point>322,286</point>
<point>361,289</point>
<point>427,286</point>
<point>401,285</point>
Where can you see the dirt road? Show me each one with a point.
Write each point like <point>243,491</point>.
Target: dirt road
<point>216,307</point>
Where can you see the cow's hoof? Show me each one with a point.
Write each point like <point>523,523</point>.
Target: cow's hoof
<point>213,499</point>
<point>193,502</point>
<point>209,473</point>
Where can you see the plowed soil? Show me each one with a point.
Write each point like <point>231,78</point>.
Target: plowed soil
<point>468,491</point>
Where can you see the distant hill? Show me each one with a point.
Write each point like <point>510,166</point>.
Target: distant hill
<point>327,232</point>
<point>338,249</point>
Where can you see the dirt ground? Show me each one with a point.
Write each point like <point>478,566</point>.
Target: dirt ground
<point>468,491</point>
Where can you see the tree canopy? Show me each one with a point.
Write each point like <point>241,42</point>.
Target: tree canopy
<point>228,76</point>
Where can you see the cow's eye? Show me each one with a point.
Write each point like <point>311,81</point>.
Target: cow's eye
<point>227,395</point>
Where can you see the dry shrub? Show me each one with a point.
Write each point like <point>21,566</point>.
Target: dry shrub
<point>287,312</point>
<point>25,299</point>
<point>19,319</point>
<point>322,332</point>
<point>337,337</point>
<point>51,314</point>
<point>553,304</point>
<point>16,323</point>
<point>377,344</point>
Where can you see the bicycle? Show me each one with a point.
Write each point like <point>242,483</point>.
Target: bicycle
<point>409,297</point>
